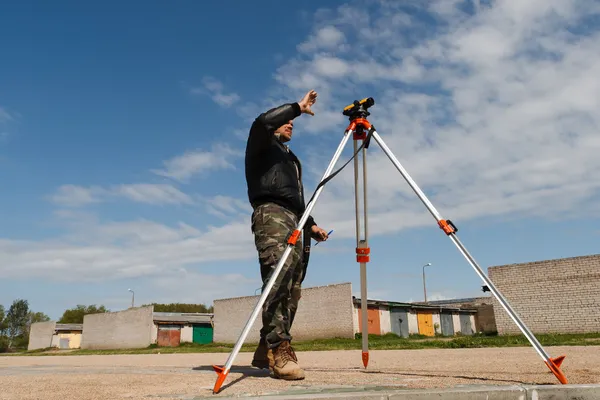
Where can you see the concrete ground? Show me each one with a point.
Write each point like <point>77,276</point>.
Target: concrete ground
<point>190,376</point>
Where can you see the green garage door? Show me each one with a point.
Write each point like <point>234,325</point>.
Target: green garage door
<point>203,334</point>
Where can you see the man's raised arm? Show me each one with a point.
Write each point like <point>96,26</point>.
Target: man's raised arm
<point>267,123</point>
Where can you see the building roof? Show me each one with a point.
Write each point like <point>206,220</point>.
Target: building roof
<point>422,306</point>
<point>68,327</point>
<point>471,300</point>
<point>205,318</point>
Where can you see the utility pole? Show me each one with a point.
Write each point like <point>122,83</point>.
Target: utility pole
<point>132,297</point>
<point>424,288</point>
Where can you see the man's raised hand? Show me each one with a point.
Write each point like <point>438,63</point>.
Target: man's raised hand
<point>307,101</point>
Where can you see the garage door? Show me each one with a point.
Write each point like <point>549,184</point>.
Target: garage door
<point>425,321</point>
<point>374,324</point>
<point>399,321</point>
<point>203,334</point>
<point>169,335</point>
<point>447,324</point>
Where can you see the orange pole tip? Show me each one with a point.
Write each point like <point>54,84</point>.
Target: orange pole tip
<point>365,358</point>
<point>558,360</point>
<point>220,379</point>
<point>554,365</point>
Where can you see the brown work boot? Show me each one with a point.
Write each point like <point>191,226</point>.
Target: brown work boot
<point>286,363</point>
<point>263,356</point>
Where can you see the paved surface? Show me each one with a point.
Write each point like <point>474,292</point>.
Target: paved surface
<point>190,376</point>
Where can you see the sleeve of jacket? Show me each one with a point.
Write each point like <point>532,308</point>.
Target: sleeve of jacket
<point>310,222</point>
<point>266,123</point>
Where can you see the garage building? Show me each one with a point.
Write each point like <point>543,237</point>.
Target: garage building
<point>175,328</point>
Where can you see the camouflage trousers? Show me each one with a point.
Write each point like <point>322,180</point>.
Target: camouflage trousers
<point>271,225</point>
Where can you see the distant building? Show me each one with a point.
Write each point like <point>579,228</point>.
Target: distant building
<point>550,296</point>
<point>50,334</point>
<point>137,327</point>
<point>141,327</point>
<point>323,312</point>
<point>485,319</point>
<point>332,312</point>
<point>405,319</point>
<point>175,328</point>
<point>67,336</point>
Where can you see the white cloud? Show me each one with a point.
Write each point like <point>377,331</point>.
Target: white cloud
<point>199,162</point>
<point>227,207</point>
<point>214,88</point>
<point>153,193</point>
<point>95,251</point>
<point>74,196</point>
<point>192,287</point>
<point>327,37</point>
<point>492,113</point>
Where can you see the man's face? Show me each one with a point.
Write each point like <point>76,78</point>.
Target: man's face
<point>285,131</point>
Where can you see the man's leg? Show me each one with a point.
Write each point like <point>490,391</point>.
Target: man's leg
<point>271,225</point>
<point>297,279</point>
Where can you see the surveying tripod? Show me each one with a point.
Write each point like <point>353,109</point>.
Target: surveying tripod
<point>362,130</point>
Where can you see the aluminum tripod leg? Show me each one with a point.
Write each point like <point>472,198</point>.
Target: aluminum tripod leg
<point>552,363</point>
<point>224,371</point>
<point>362,251</point>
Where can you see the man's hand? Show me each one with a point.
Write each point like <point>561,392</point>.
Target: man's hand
<point>318,234</point>
<point>307,101</point>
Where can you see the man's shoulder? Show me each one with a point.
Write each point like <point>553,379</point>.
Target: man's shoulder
<point>262,153</point>
<point>272,145</point>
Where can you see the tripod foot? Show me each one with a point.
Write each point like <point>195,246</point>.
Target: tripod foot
<point>365,358</point>
<point>554,365</point>
<point>222,376</point>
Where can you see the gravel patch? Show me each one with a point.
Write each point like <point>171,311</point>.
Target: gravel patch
<point>190,375</point>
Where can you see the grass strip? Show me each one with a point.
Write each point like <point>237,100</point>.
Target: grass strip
<point>389,341</point>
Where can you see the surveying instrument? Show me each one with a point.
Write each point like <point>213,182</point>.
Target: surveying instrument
<point>360,129</point>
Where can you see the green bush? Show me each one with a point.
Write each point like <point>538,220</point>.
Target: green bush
<point>3,344</point>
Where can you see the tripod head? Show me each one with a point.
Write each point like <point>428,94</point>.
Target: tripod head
<point>358,109</point>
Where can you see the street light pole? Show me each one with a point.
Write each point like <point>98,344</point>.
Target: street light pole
<point>132,297</point>
<point>424,288</point>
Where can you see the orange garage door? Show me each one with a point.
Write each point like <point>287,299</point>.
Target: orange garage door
<point>425,320</point>
<point>374,326</point>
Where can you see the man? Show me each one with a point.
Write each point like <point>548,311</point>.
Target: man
<point>276,193</point>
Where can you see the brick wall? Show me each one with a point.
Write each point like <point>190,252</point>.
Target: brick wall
<point>131,328</point>
<point>323,312</point>
<point>485,319</point>
<point>552,296</point>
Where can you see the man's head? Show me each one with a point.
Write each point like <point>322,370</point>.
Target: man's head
<point>285,131</point>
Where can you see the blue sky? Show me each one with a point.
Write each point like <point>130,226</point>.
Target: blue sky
<point>123,126</point>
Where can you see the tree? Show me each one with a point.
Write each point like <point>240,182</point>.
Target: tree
<point>182,308</point>
<point>3,330</point>
<point>37,317</point>
<point>3,323</point>
<point>22,340</point>
<point>75,315</point>
<point>17,319</point>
